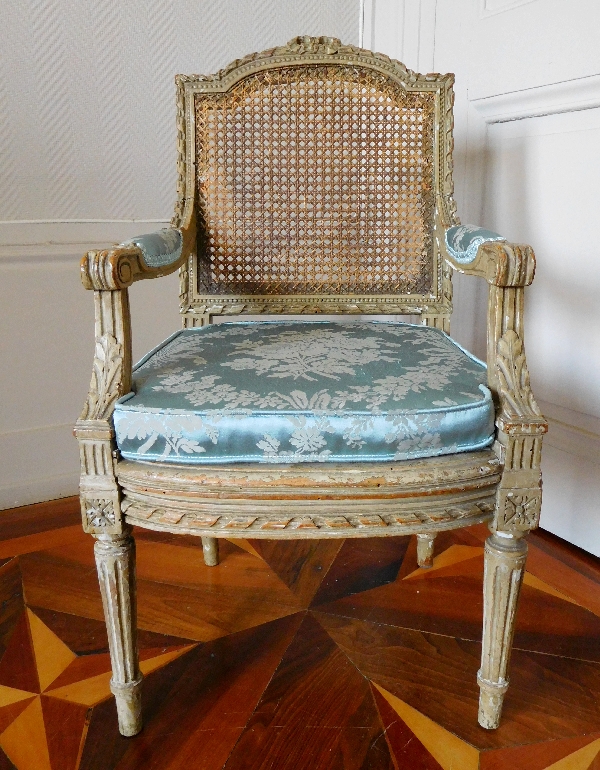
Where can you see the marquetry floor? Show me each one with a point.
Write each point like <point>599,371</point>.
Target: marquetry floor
<point>324,654</point>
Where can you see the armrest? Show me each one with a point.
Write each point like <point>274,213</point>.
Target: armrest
<point>109,273</point>
<point>145,256</point>
<point>508,268</point>
<point>476,251</point>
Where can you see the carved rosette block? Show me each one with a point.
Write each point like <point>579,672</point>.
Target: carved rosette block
<point>101,510</point>
<point>425,544</point>
<point>210,548</point>
<point>503,575</point>
<point>115,562</point>
<point>99,492</point>
<point>100,514</point>
<point>518,510</point>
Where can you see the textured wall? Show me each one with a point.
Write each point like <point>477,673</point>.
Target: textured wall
<point>87,144</point>
<point>86,87</point>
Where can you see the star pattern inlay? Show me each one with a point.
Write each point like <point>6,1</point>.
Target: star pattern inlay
<point>43,682</point>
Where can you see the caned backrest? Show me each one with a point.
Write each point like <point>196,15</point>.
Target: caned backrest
<point>316,173</point>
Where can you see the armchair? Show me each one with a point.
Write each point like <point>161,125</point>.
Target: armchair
<point>312,178</point>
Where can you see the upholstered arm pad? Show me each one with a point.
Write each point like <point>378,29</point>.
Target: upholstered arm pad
<point>145,256</point>
<point>476,251</point>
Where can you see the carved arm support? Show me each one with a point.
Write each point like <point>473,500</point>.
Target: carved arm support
<point>508,268</point>
<point>108,273</point>
<point>111,379</point>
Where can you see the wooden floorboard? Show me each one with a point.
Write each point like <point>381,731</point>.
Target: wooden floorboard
<point>311,655</point>
<point>41,517</point>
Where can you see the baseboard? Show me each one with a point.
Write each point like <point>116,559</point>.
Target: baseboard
<point>573,432</point>
<point>38,490</point>
<point>39,464</point>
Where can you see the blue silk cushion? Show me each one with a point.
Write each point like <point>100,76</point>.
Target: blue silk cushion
<point>160,248</point>
<point>305,391</point>
<point>463,241</point>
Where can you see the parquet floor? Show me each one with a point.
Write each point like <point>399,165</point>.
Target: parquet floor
<point>304,655</point>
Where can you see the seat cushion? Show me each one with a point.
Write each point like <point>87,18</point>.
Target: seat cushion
<point>305,391</point>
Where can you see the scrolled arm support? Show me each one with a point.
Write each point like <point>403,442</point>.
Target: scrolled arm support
<point>500,263</point>
<point>519,421</point>
<point>111,379</point>
<point>147,256</point>
<point>113,269</point>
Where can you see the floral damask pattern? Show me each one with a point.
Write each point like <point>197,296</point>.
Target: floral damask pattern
<point>305,392</point>
<point>463,241</point>
<point>308,355</point>
<point>172,431</point>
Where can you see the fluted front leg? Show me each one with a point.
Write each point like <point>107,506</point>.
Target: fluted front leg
<point>505,557</point>
<point>210,548</point>
<point>425,550</point>
<point>115,560</point>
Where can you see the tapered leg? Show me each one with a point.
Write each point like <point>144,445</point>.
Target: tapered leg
<point>505,557</point>
<point>210,546</point>
<point>115,560</point>
<point>425,550</point>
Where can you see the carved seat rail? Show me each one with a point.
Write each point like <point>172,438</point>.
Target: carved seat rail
<point>312,500</point>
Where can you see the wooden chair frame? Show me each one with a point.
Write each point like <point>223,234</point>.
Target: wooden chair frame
<point>501,485</point>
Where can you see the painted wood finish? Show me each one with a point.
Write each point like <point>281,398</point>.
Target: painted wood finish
<point>502,486</point>
<point>115,562</point>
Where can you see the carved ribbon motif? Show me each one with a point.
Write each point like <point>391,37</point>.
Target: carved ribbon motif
<point>319,45</point>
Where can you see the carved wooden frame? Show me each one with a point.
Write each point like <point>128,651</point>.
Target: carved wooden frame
<point>197,308</point>
<point>508,269</point>
<point>502,485</point>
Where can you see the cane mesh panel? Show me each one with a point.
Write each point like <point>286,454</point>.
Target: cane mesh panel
<point>316,179</point>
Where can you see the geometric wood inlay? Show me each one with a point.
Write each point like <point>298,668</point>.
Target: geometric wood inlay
<point>580,760</point>
<point>446,748</point>
<point>453,555</point>
<point>24,741</point>
<point>294,637</point>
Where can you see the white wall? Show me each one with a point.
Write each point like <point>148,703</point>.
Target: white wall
<point>87,142</point>
<point>527,163</point>
<point>87,147</point>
